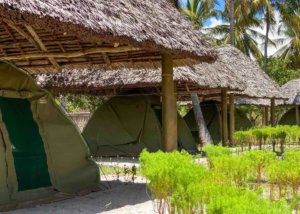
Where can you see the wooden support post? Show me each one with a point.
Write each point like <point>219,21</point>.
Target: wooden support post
<point>297,116</point>
<point>232,119</point>
<point>169,111</point>
<point>266,116</point>
<point>273,121</point>
<point>224,119</point>
<point>273,112</point>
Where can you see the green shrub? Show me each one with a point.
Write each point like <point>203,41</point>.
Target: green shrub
<point>179,185</point>
<point>216,151</point>
<point>259,161</point>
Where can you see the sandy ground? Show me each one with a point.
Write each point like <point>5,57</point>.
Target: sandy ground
<point>121,197</point>
<point>117,197</point>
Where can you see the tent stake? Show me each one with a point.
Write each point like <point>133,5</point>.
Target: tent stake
<point>232,119</point>
<point>169,108</point>
<point>224,119</point>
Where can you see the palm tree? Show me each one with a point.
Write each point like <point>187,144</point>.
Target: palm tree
<point>244,33</point>
<point>198,11</point>
<point>290,28</point>
<point>267,8</point>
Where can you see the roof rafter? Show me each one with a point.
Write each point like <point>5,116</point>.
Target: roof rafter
<point>72,54</point>
<point>41,44</point>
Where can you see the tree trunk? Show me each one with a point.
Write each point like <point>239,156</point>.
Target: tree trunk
<point>267,38</point>
<point>232,22</point>
<point>203,133</point>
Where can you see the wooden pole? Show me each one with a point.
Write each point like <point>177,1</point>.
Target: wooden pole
<point>169,111</point>
<point>224,119</point>
<point>232,119</point>
<point>266,116</point>
<point>297,116</point>
<point>273,121</point>
<point>273,112</point>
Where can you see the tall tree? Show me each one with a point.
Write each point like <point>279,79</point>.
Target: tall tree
<point>198,11</point>
<point>244,35</point>
<point>267,8</point>
<point>290,28</point>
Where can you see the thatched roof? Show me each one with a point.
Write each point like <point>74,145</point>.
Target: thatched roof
<point>45,36</point>
<point>114,82</point>
<point>254,101</point>
<point>231,70</point>
<point>258,83</point>
<point>292,91</point>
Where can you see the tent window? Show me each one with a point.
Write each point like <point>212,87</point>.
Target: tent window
<point>27,145</point>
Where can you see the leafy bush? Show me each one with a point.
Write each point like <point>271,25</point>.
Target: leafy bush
<point>272,135</point>
<point>179,185</point>
<point>216,151</point>
<point>259,160</point>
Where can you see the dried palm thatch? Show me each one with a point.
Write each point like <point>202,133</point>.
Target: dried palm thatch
<point>48,35</point>
<point>231,70</point>
<point>292,91</point>
<point>254,101</point>
<point>147,81</point>
<point>258,83</point>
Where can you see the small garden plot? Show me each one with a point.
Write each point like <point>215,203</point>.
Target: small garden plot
<point>252,182</point>
<point>275,139</point>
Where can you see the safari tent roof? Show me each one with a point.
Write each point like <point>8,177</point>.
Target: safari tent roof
<point>292,91</point>
<point>45,36</point>
<point>36,161</point>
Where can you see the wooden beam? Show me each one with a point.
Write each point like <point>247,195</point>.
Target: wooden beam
<point>224,119</point>
<point>169,108</point>
<point>21,32</point>
<point>266,116</point>
<point>71,54</point>
<point>232,119</point>
<point>41,44</point>
<point>273,112</point>
<point>106,58</point>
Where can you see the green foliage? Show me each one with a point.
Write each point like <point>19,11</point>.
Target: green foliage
<point>79,103</point>
<point>179,185</point>
<point>278,134</point>
<point>170,175</point>
<point>216,151</point>
<point>259,160</point>
<point>278,70</point>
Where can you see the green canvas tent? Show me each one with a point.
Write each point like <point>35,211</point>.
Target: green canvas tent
<point>41,151</point>
<point>289,118</point>
<point>212,117</point>
<point>124,126</point>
